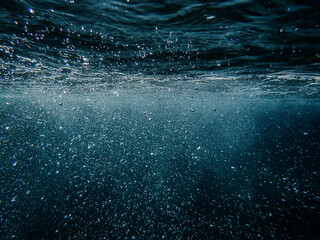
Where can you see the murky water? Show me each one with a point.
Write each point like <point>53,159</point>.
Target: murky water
<point>159,119</point>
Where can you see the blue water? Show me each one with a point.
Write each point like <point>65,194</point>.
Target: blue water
<point>159,119</point>
<point>157,38</point>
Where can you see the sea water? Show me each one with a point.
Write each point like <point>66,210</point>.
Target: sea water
<point>159,119</point>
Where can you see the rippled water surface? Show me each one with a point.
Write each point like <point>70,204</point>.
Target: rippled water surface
<point>159,119</point>
<point>87,41</point>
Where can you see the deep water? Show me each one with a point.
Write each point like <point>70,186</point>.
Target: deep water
<point>159,119</point>
<point>158,164</point>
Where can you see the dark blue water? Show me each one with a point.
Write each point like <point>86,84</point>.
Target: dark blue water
<point>159,119</point>
<point>157,37</point>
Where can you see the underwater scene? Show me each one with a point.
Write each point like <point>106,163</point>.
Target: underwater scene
<point>168,119</point>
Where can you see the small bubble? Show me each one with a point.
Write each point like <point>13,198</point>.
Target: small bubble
<point>211,17</point>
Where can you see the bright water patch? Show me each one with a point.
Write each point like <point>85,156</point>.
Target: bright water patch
<point>157,164</point>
